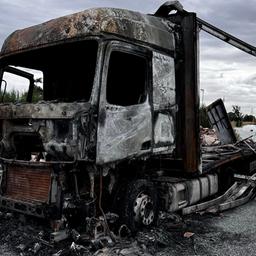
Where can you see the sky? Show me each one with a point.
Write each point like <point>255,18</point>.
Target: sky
<point>225,72</point>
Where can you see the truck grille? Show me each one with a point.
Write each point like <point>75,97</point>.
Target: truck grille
<point>28,183</point>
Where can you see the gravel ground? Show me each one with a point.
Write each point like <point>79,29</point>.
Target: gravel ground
<point>229,233</point>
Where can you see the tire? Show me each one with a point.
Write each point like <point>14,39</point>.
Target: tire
<point>140,207</point>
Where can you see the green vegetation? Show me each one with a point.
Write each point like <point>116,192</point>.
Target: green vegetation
<point>36,96</point>
<point>17,96</point>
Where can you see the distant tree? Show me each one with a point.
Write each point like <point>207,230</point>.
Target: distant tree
<point>17,96</point>
<point>12,96</point>
<point>36,96</point>
<point>248,118</point>
<point>203,117</point>
<point>38,91</point>
<point>231,116</point>
<point>237,115</point>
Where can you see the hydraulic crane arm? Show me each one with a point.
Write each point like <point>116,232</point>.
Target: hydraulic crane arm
<point>224,36</point>
<point>169,6</point>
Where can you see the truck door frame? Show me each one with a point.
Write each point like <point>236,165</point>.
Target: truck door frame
<point>124,131</point>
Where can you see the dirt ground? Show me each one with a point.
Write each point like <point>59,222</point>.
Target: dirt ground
<point>228,233</point>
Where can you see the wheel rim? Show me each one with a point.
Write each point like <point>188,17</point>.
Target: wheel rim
<point>144,209</point>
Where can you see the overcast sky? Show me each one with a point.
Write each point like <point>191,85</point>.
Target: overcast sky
<point>225,72</point>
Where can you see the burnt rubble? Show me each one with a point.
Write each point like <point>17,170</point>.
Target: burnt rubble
<point>197,234</point>
<point>29,237</point>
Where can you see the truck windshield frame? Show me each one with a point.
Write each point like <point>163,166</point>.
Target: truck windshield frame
<point>68,69</point>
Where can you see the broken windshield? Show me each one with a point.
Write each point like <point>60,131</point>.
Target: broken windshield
<point>68,69</point>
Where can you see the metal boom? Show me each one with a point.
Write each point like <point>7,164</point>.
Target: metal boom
<point>169,6</point>
<point>224,36</point>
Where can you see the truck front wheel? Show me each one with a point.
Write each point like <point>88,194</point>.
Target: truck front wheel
<point>140,205</point>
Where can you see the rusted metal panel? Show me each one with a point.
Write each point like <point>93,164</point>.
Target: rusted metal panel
<point>28,184</point>
<point>129,24</point>
<point>187,86</point>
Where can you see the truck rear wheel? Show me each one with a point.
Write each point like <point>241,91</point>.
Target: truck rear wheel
<point>140,205</point>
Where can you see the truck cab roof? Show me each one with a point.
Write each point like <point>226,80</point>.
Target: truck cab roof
<point>93,22</point>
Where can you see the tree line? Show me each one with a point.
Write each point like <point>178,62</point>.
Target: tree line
<point>15,96</point>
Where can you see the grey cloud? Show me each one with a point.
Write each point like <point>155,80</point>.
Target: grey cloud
<point>251,80</point>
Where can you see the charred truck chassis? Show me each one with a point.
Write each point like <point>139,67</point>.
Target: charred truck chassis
<point>119,133</point>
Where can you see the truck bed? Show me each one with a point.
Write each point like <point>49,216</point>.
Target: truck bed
<point>216,156</point>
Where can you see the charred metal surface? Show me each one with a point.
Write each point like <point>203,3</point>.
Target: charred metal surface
<point>124,133</point>
<point>225,156</point>
<point>31,208</point>
<point>43,110</point>
<point>179,193</point>
<point>164,101</point>
<point>132,25</point>
<point>164,89</point>
<point>124,128</point>
<point>164,130</point>
<point>62,130</point>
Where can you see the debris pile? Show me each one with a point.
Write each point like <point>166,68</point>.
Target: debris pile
<point>208,137</point>
<point>20,236</point>
<point>193,235</point>
<point>25,236</point>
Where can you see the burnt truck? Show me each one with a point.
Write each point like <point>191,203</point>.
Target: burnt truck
<point>116,126</point>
